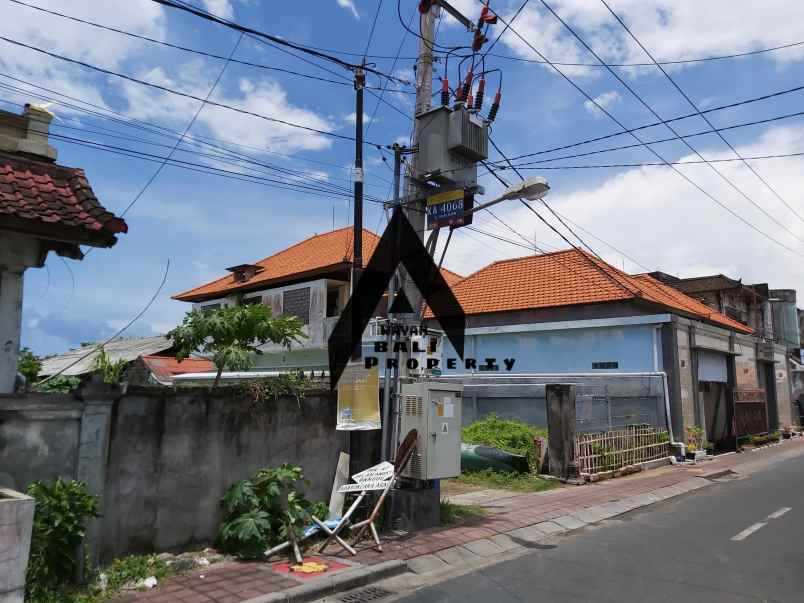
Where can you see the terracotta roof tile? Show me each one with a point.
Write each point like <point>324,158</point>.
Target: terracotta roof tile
<point>53,194</point>
<point>567,278</point>
<point>165,368</point>
<point>329,250</point>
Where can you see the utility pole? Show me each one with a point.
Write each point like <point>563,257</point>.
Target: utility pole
<point>424,91</point>
<point>357,228</point>
<point>357,257</point>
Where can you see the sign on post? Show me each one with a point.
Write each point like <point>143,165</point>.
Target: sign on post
<point>377,477</point>
<point>448,209</point>
<point>359,399</point>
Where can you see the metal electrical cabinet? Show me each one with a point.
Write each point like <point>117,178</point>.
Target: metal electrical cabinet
<point>434,410</point>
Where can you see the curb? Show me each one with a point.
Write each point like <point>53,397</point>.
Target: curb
<point>330,585</point>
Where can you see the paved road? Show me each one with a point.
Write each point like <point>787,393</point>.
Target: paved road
<point>740,540</point>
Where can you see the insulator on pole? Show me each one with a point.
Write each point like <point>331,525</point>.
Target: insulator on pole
<point>481,89</point>
<point>495,106</point>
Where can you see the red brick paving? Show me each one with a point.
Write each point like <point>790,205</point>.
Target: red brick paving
<point>236,582</point>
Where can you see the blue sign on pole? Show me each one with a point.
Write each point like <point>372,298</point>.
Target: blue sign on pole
<point>448,209</point>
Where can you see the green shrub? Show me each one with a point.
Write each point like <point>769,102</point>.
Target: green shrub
<point>62,510</point>
<point>111,371</point>
<point>62,384</point>
<point>510,435</point>
<point>28,365</point>
<point>259,512</point>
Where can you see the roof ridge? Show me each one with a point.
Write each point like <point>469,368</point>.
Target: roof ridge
<point>315,236</point>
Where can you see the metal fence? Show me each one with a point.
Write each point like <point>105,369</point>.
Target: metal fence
<point>612,450</point>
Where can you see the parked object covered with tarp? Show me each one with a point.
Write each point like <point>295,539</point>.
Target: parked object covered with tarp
<point>476,457</point>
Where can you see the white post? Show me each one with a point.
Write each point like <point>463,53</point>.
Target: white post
<point>10,325</point>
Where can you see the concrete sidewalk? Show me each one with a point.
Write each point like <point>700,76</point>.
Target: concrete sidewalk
<point>516,522</point>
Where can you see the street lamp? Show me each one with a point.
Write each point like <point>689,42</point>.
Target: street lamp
<point>530,189</point>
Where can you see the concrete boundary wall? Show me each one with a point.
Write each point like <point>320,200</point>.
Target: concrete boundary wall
<point>161,458</point>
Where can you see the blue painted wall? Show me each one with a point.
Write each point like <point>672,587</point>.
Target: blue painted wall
<point>565,351</point>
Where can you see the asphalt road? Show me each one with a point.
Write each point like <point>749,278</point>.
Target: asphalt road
<point>739,540</point>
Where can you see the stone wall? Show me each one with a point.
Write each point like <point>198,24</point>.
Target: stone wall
<point>160,458</point>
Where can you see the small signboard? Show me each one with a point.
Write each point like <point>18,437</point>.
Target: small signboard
<point>377,477</point>
<point>359,399</point>
<point>448,209</point>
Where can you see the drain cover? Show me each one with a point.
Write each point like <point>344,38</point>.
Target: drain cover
<point>372,593</point>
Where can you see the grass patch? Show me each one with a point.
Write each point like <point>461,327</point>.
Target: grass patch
<point>452,513</point>
<point>130,569</point>
<point>523,482</point>
<point>509,435</point>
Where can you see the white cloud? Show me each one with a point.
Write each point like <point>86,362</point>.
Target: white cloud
<point>349,5</point>
<point>352,118</point>
<point>670,29</point>
<point>263,97</point>
<point>221,8</point>
<point>605,100</point>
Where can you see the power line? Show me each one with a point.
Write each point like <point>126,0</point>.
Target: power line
<point>227,159</point>
<point>118,333</point>
<point>698,111</point>
<point>385,85</point>
<point>651,164</point>
<point>654,152</point>
<point>159,169</point>
<point>662,122</point>
<point>684,141</point>
<point>155,129</point>
<point>176,92</point>
<point>660,140</point>
<point>275,39</point>
<point>193,50</point>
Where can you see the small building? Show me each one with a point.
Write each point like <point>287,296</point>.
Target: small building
<point>44,207</point>
<point>81,361</point>
<point>749,304</point>
<point>571,313</point>
<point>161,370</point>
<point>309,280</point>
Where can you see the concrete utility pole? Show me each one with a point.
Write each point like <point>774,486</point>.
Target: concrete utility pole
<point>357,228</point>
<point>424,91</point>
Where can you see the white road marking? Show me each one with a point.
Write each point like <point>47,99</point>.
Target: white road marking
<point>749,530</point>
<point>779,513</point>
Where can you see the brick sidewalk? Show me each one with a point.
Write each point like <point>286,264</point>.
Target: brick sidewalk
<point>511,516</point>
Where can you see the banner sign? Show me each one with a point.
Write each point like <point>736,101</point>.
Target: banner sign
<point>359,399</point>
<point>447,209</point>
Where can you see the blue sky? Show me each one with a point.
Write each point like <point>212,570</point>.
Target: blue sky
<point>203,223</point>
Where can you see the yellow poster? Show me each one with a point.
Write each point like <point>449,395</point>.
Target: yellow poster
<point>359,399</point>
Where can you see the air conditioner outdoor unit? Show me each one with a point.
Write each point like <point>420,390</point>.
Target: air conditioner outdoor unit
<point>434,410</point>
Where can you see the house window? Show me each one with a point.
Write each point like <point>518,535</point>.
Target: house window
<point>296,302</point>
<point>210,307</point>
<point>605,365</point>
<point>332,301</point>
<point>250,301</point>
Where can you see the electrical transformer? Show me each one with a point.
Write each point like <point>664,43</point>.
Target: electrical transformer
<point>434,410</point>
<point>451,142</point>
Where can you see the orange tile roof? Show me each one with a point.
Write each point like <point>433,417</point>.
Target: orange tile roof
<point>331,250</point>
<point>165,368</point>
<point>565,278</point>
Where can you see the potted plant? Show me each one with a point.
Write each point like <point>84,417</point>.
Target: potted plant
<point>16,513</point>
<point>695,444</point>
